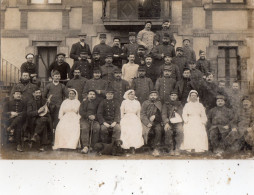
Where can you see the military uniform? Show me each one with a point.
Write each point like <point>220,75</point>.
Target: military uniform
<point>189,53</point>
<point>107,72</point>
<point>162,49</point>
<point>175,72</point>
<point>146,38</point>
<point>28,67</point>
<point>27,90</point>
<point>142,87</point>
<point>159,35</point>
<point>165,86</point>
<point>117,61</point>
<point>183,87</point>
<point>104,50</point>
<point>96,84</point>
<point>235,97</point>
<point>150,72</point>
<point>120,87</point>
<point>76,48</point>
<point>109,112</point>
<point>139,59</point>
<point>204,66</point>
<point>77,84</point>
<point>63,69</point>
<point>130,48</point>
<point>180,62</point>
<point>209,93</point>
<point>85,69</point>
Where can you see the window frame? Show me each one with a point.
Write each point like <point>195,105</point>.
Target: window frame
<point>45,2</point>
<point>229,2</point>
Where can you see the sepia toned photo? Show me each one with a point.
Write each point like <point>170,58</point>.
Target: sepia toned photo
<point>127,79</point>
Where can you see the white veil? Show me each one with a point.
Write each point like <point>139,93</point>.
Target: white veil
<point>192,91</point>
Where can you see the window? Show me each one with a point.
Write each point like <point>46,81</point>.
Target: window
<point>45,1</point>
<point>229,1</point>
<point>149,9</point>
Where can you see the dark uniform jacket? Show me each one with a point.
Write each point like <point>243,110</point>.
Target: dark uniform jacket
<point>120,87</point>
<point>130,48</point>
<point>183,87</point>
<point>204,66</point>
<point>189,53</point>
<point>139,59</point>
<point>175,72</point>
<point>180,62</point>
<point>160,34</point>
<point>77,84</point>
<point>27,90</point>
<point>104,50</point>
<point>168,110</point>
<point>149,109</point>
<point>89,107</point>
<point>107,72</point>
<point>97,63</point>
<point>245,119</point>
<point>76,48</point>
<point>64,69</point>
<point>165,86</point>
<point>85,68</point>
<point>150,72</point>
<point>142,87</point>
<point>109,111</point>
<point>14,106</point>
<point>31,68</point>
<point>162,49</point>
<point>95,84</point>
<point>209,93</point>
<point>117,61</point>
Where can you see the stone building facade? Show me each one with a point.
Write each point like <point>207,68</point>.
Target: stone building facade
<point>224,28</point>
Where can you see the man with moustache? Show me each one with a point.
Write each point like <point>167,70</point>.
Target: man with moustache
<point>175,72</point>
<point>76,48</point>
<point>180,60</point>
<point>107,70</point>
<point>140,55</point>
<point>31,68</point>
<point>96,61</point>
<point>203,64</point>
<point>118,54</point>
<point>188,51</point>
<point>132,46</point>
<point>145,37</point>
<point>165,29</point>
<point>150,68</point>
<point>151,120</point>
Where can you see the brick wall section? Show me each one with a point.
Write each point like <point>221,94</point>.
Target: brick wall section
<point>87,12</point>
<point>23,19</point>
<point>208,19</point>
<point>65,20</point>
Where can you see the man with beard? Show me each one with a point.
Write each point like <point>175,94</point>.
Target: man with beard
<point>203,64</point>
<point>30,67</point>
<point>222,90</point>
<point>25,86</point>
<point>165,85</point>
<point>76,48</point>
<point>150,69</point>
<point>109,118</point>
<point>96,61</point>
<point>145,37</point>
<point>140,56</point>
<point>188,52</point>
<point>142,85</point>
<point>151,120</point>
<point>107,70</point>
<point>40,124</point>
<point>196,77</point>
<point>83,65</point>
<point>175,72</point>
<point>184,86</point>
<point>78,83</point>
<point>119,85</point>
<point>220,124</point>
<point>180,60</point>
<point>117,52</point>
<point>89,121</point>
<point>132,46</point>
<point>103,48</point>
<point>173,128</point>
<point>61,66</point>
<point>97,84</point>
<point>235,96</point>
<point>165,29</point>
<point>14,112</point>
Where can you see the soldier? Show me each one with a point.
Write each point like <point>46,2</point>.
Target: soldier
<point>180,60</point>
<point>184,86</point>
<point>151,120</point>
<point>14,113</point>
<point>235,96</point>
<point>83,65</point>
<point>40,124</point>
<point>165,85</point>
<point>31,68</point>
<point>76,48</point>
<point>96,61</point>
<point>132,46</point>
<point>130,70</point>
<point>174,68</point>
<point>103,48</point>
<point>118,54</point>
<point>25,86</point>
<point>222,90</point>
<point>150,68</point>
<point>140,56</point>
<point>165,29</point>
<point>97,84</point>
<point>173,127</point>
<point>61,66</point>
<point>119,85</point>
<point>109,117</point>
<point>78,82</point>
<point>145,37</point>
<point>220,124</point>
<point>89,125</point>
<point>142,85</point>
<point>107,70</point>
<point>196,74</point>
<point>203,64</point>
<point>188,52</point>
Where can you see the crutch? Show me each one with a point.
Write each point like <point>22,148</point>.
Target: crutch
<point>90,138</point>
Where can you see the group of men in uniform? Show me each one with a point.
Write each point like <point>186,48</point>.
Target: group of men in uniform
<point>165,76</point>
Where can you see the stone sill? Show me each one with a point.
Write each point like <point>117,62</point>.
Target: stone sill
<point>44,8</point>
<point>224,6</point>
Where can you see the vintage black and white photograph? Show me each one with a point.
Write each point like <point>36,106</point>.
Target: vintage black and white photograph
<point>127,79</point>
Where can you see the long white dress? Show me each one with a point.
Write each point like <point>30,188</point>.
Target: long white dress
<point>195,135</point>
<point>68,129</point>
<point>131,127</point>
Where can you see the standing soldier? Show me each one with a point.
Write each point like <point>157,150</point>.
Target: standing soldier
<point>117,52</point>
<point>140,56</point>
<point>174,68</point>
<point>103,48</point>
<point>132,46</point>
<point>165,29</point>
<point>203,64</point>
<point>180,60</point>
<point>76,48</point>
<point>119,85</point>
<point>151,120</point>
<point>78,82</point>
<point>165,85</point>
<point>235,96</point>
<point>107,70</point>
<point>188,52</point>
<point>142,85</point>
<point>96,61</point>
<point>109,118</point>
<point>150,68</point>
<point>145,37</point>
<point>83,65</point>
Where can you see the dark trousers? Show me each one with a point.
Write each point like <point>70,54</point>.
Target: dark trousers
<point>85,128</point>
<point>157,131</point>
<point>174,136</point>
<point>16,124</point>
<point>42,125</point>
<point>105,132</point>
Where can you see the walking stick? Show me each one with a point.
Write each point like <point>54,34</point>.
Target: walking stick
<point>91,134</point>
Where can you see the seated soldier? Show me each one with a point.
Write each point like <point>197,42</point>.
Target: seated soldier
<point>109,117</point>
<point>171,116</point>
<point>151,120</point>
<point>89,125</point>
<point>40,119</point>
<point>221,124</point>
<point>14,116</point>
